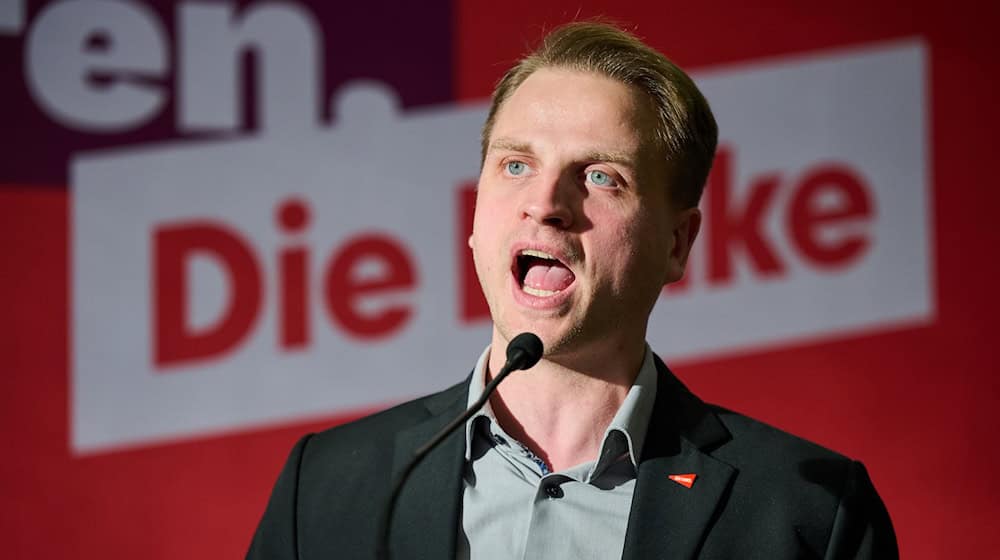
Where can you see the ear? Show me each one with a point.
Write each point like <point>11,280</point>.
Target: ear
<point>469,241</point>
<point>687,223</point>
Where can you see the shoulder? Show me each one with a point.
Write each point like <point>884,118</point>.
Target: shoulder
<point>376,432</point>
<point>780,464</point>
<point>766,443</point>
<point>755,449</point>
<point>783,480</point>
<point>334,480</point>
<point>332,475</point>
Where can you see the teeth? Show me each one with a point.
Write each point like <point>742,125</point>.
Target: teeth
<point>538,292</point>
<point>539,254</point>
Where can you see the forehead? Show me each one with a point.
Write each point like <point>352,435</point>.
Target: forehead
<point>571,110</point>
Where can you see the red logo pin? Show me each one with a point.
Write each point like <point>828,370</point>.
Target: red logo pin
<point>685,480</point>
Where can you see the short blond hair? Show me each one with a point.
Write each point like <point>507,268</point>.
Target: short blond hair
<point>685,128</point>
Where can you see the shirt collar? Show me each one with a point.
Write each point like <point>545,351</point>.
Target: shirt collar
<point>632,418</point>
<point>476,386</point>
<point>625,434</point>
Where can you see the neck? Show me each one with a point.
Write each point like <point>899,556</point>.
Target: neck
<point>561,407</point>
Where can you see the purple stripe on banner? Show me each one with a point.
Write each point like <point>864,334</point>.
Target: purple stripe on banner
<point>82,76</point>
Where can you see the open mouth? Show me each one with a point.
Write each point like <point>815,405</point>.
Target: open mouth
<point>540,274</point>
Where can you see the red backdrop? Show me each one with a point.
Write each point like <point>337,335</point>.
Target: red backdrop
<point>916,405</point>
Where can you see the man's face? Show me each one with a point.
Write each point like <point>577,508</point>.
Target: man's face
<point>574,236</point>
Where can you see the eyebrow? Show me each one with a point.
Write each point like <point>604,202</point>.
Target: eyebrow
<point>511,145</point>
<point>620,158</point>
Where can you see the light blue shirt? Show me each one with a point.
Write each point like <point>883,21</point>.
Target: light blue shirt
<point>514,507</point>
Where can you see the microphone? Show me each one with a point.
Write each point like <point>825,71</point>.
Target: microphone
<point>523,352</point>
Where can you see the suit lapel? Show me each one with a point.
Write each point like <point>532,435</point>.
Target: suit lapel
<point>427,514</point>
<point>669,520</point>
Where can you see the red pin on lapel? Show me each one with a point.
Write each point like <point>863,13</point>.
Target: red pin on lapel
<point>685,480</point>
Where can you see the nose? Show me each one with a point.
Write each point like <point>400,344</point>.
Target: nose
<point>550,201</point>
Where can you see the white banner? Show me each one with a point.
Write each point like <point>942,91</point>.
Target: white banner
<point>242,282</point>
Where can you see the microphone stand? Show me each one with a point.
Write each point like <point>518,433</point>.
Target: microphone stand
<point>523,352</point>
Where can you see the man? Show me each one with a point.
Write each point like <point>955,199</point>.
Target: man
<point>594,156</point>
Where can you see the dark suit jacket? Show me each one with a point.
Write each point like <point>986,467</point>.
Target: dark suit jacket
<point>759,492</point>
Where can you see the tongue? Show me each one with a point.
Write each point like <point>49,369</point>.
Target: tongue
<point>546,277</point>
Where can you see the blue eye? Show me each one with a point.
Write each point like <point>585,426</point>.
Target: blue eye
<point>516,168</point>
<point>600,178</point>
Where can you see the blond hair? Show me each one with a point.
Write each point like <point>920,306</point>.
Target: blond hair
<point>685,129</point>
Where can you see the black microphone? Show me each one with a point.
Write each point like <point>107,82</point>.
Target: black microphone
<point>523,352</point>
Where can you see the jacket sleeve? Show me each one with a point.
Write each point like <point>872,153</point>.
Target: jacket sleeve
<point>276,537</point>
<point>861,528</point>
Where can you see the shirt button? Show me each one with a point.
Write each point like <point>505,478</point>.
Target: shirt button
<point>554,491</point>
